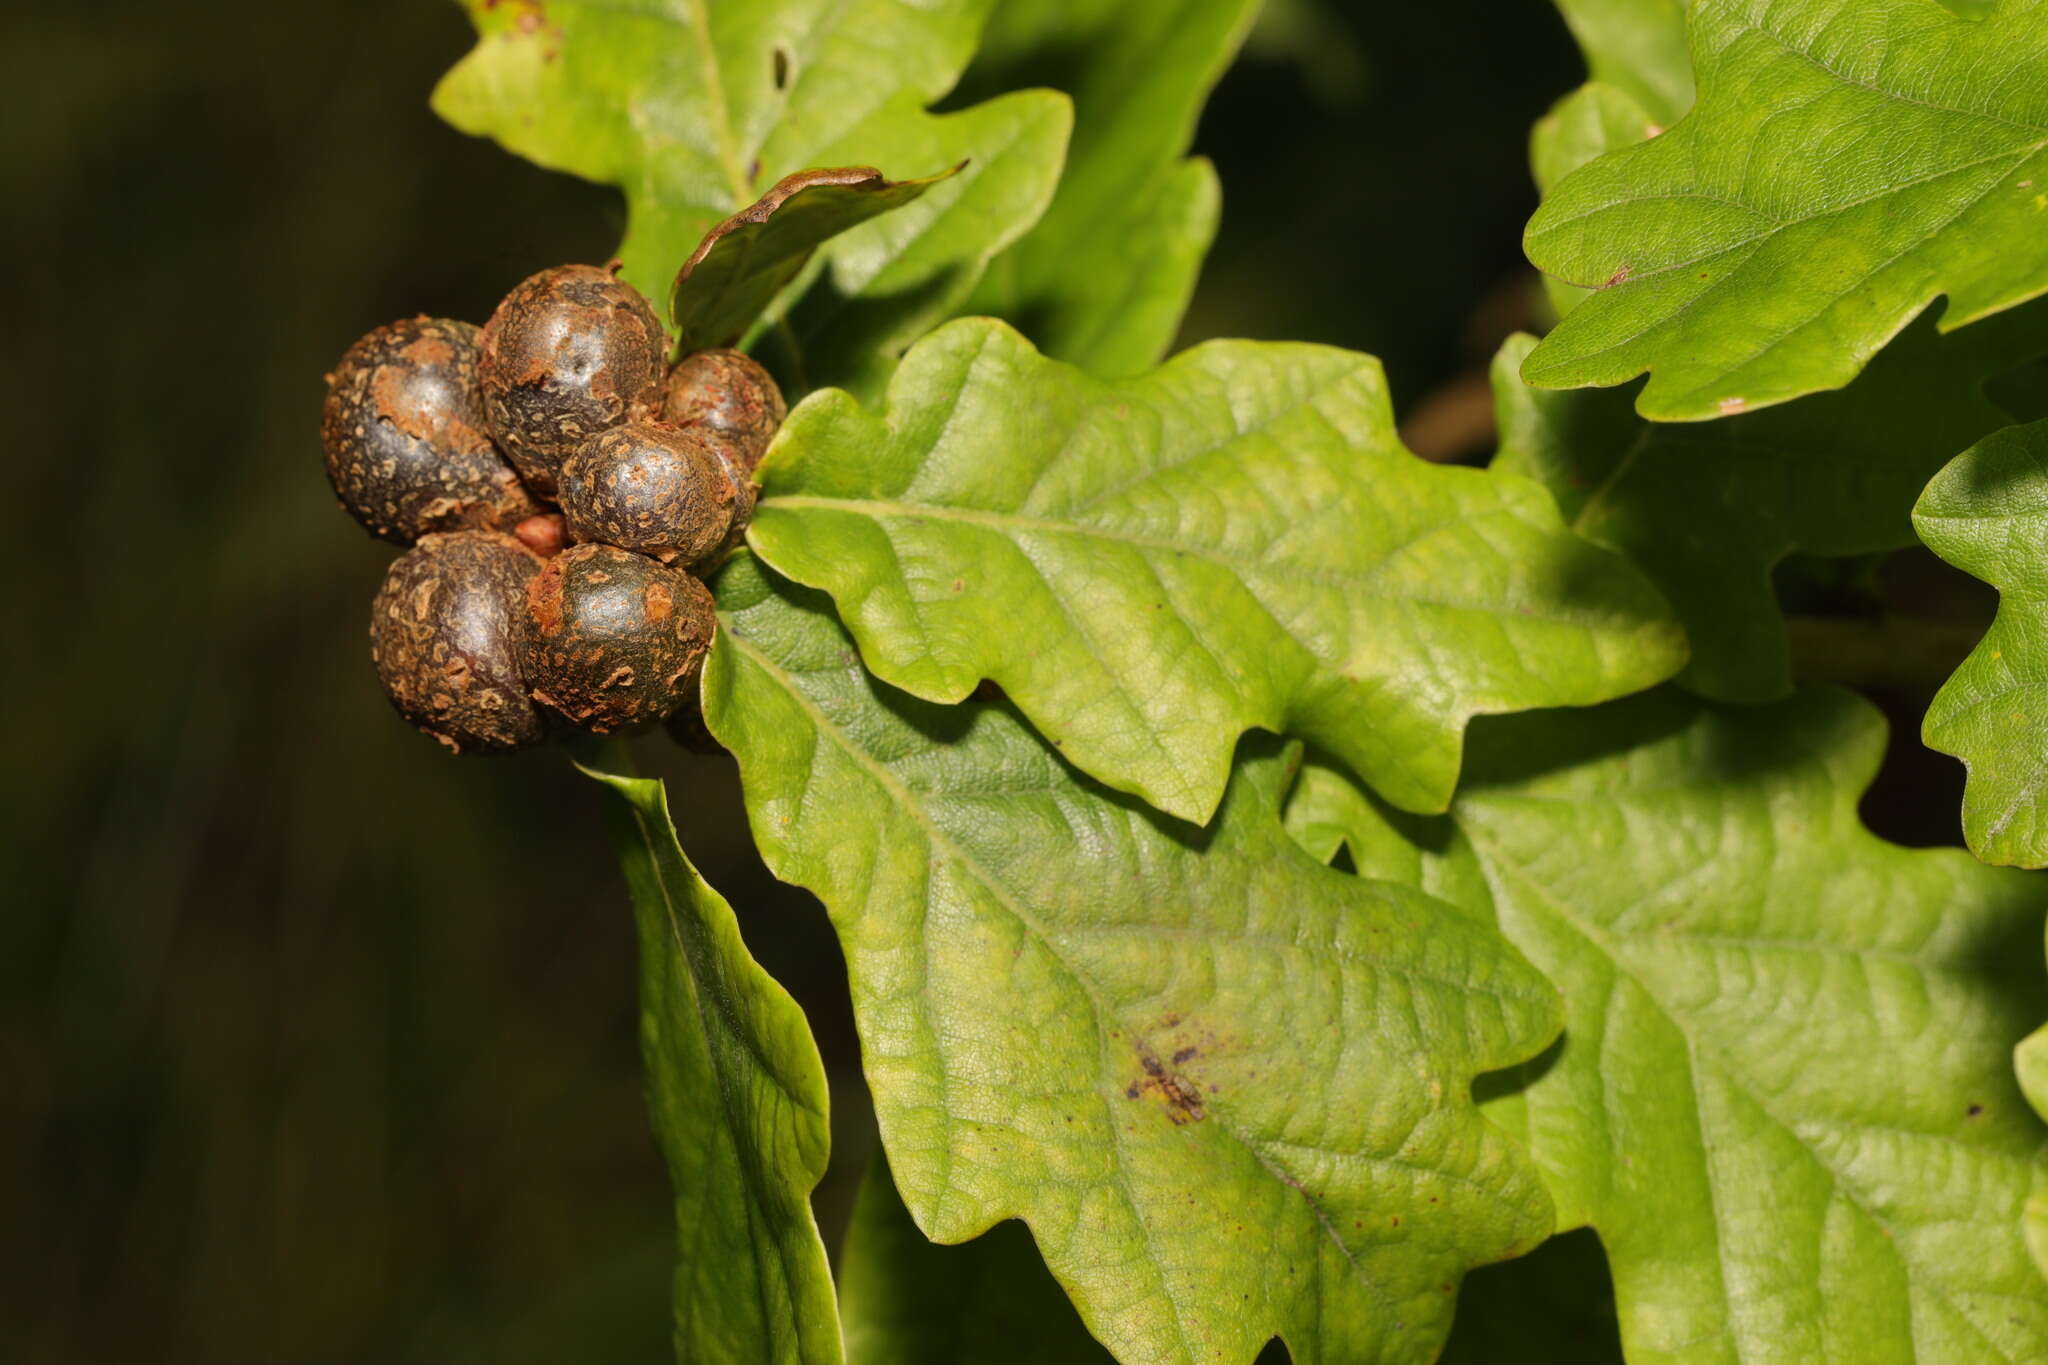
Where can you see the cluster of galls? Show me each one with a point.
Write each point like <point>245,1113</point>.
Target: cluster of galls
<point>557,483</point>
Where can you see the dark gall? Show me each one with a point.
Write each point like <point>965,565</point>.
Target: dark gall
<point>408,452</point>
<point>447,634</point>
<point>726,392</point>
<point>653,488</point>
<point>570,352</point>
<point>617,640</point>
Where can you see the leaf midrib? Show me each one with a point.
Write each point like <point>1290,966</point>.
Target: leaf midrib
<point>649,834</point>
<point>1350,583</point>
<point>737,180</point>
<point>1598,500</point>
<point>733,160</point>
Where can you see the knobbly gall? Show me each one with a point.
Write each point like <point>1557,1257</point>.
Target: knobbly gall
<point>654,488</point>
<point>408,452</point>
<point>447,634</point>
<point>570,352</point>
<point>617,640</point>
<point>729,393</point>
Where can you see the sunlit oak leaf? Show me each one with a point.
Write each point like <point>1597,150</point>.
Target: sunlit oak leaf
<point>1227,1087</point>
<point>1847,163</point>
<point>1582,127</point>
<point>1236,540</point>
<point>695,109</point>
<point>1784,1098</point>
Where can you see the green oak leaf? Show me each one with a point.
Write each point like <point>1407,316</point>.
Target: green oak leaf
<point>1582,127</point>
<point>1847,162</point>
<point>1637,49</point>
<point>1783,1097</point>
<point>744,262</point>
<point>1642,84</point>
<point>1235,540</point>
<point>1227,1088</point>
<point>1707,510</point>
<point>1103,279</point>
<point>694,109</point>
<point>1987,514</point>
<point>909,1301</point>
<point>738,1100</point>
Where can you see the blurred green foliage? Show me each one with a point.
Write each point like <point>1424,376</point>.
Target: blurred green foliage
<point>316,1045</point>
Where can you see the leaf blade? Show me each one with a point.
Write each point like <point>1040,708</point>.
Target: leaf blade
<point>1978,514</point>
<point>693,110</point>
<point>751,1280</point>
<point>1149,568</point>
<point>744,262</point>
<point>1579,129</point>
<point>1103,278</point>
<point>1844,165</point>
<point>1781,1099</point>
<point>1025,954</point>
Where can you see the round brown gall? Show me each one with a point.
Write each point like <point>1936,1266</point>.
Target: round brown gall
<point>617,640</point>
<point>655,489</point>
<point>408,451</point>
<point>447,633</point>
<point>726,392</point>
<point>570,352</point>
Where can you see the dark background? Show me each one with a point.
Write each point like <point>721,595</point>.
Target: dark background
<point>315,1044</point>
